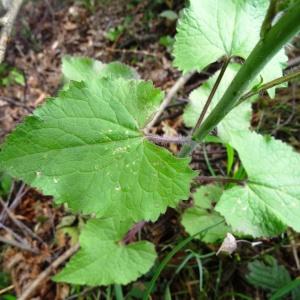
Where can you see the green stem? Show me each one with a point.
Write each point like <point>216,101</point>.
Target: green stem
<point>118,292</point>
<point>188,147</point>
<point>271,13</point>
<point>264,51</point>
<point>212,93</point>
<point>269,85</point>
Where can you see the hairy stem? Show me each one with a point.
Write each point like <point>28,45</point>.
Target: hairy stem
<point>264,51</point>
<point>180,140</point>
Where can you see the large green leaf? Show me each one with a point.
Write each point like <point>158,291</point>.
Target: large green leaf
<point>104,259</point>
<point>237,119</point>
<point>270,199</point>
<point>86,148</point>
<point>210,29</point>
<point>202,214</point>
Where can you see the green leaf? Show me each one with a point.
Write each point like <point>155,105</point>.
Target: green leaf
<point>269,276</point>
<point>86,148</point>
<point>5,184</point>
<point>118,70</point>
<point>271,198</point>
<point>210,29</point>
<point>238,119</point>
<point>103,258</point>
<point>81,68</point>
<point>202,214</point>
<point>85,69</point>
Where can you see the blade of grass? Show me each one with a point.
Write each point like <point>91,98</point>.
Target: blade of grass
<point>169,256</point>
<point>288,288</point>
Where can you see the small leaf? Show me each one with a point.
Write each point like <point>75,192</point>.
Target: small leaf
<point>103,259</point>
<point>270,276</point>
<point>270,200</point>
<point>238,119</point>
<point>203,215</point>
<point>211,29</point>
<point>86,148</point>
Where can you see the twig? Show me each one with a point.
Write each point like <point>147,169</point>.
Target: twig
<point>44,275</point>
<point>172,92</point>
<point>21,192</point>
<point>290,235</point>
<point>16,103</point>
<point>7,289</point>
<point>132,51</point>
<point>12,233</point>
<point>7,23</point>
<point>20,224</point>
<point>18,245</point>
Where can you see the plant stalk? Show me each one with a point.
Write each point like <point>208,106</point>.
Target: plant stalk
<point>264,51</point>
<point>179,140</point>
<point>270,85</point>
<point>212,93</point>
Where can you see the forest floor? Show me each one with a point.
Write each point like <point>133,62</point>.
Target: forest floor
<point>134,33</point>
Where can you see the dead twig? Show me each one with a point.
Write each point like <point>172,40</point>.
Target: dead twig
<point>7,289</point>
<point>7,24</point>
<point>46,273</point>
<point>16,103</point>
<point>21,192</point>
<point>132,51</point>
<point>21,225</point>
<point>172,92</point>
<point>291,237</point>
<point>14,243</point>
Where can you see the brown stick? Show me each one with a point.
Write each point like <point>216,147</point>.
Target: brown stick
<point>173,91</point>
<point>7,25</point>
<point>46,273</point>
<point>7,289</point>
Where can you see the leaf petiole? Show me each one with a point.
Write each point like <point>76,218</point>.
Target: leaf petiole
<point>269,85</point>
